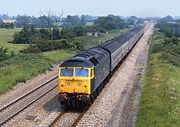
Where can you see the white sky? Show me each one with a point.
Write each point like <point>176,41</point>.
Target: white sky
<point>142,8</point>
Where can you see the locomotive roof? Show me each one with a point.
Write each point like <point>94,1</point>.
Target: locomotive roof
<point>88,58</point>
<point>77,62</point>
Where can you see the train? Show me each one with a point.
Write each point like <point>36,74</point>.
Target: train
<point>80,78</point>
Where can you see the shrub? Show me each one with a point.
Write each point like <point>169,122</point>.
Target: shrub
<point>169,50</point>
<point>3,53</point>
<point>31,49</point>
<point>48,45</point>
<point>173,59</point>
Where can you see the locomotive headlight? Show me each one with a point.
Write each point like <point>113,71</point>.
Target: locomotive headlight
<point>68,84</point>
<point>79,84</point>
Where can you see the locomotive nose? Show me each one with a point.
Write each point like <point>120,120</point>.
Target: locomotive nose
<point>74,86</point>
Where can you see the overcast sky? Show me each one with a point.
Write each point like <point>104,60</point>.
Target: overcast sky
<point>141,8</point>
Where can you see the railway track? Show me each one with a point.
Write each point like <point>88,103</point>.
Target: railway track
<point>16,106</point>
<point>75,116</point>
<point>78,119</point>
<point>56,119</point>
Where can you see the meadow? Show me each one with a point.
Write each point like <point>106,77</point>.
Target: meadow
<point>160,100</point>
<point>6,35</point>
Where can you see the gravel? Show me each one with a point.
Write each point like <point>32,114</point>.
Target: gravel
<point>38,112</point>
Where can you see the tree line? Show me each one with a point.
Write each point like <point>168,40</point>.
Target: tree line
<point>50,19</point>
<point>55,37</point>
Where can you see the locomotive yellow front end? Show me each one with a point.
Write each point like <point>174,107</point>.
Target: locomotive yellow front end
<point>74,84</point>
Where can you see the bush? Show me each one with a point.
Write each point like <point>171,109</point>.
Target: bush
<point>7,25</point>
<point>77,45</point>
<point>48,45</point>
<point>3,53</point>
<point>31,49</point>
<point>169,50</point>
<point>173,59</point>
<point>157,48</point>
<point>171,30</point>
<point>27,35</point>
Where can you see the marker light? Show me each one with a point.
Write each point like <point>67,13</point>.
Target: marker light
<point>79,84</point>
<point>68,84</point>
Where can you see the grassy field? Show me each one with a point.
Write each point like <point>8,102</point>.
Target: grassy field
<point>23,67</point>
<point>7,35</point>
<point>60,55</point>
<point>160,100</point>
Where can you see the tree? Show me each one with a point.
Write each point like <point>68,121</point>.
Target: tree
<point>110,22</point>
<point>1,21</point>
<point>45,22</point>
<point>52,20</point>
<point>56,34</point>
<point>23,21</point>
<point>78,31</point>
<point>170,29</point>
<point>36,22</point>
<point>45,34</point>
<point>178,20</point>
<point>67,33</point>
<point>132,20</point>
<point>27,35</point>
<point>71,21</point>
<point>7,25</point>
<point>166,19</point>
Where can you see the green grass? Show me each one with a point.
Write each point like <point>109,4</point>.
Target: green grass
<point>21,68</point>
<point>7,35</point>
<point>160,100</point>
<point>60,55</point>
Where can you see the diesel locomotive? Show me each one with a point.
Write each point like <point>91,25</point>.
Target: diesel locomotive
<point>81,77</point>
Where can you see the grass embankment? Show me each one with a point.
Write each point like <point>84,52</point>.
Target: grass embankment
<point>160,100</point>
<point>23,67</point>
<point>20,68</point>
